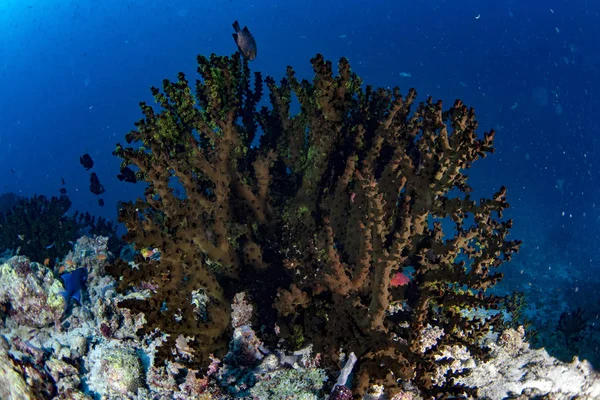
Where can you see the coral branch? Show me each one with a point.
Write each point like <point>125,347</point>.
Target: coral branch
<point>317,219</point>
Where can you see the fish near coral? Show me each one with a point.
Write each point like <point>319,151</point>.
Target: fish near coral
<point>74,282</point>
<point>153,254</point>
<point>86,161</point>
<point>245,41</point>
<point>95,185</point>
<point>127,175</point>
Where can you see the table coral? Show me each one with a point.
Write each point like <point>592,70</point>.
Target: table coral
<point>321,208</point>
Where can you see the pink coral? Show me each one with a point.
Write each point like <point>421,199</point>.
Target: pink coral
<point>399,279</point>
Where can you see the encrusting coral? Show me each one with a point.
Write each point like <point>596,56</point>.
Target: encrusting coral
<point>314,213</point>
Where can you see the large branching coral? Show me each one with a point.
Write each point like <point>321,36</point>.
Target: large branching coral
<point>329,206</point>
<point>211,229</point>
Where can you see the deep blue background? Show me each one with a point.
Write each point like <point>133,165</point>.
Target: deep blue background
<point>73,72</point>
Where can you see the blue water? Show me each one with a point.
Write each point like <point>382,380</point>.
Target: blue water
<point>72,74</point>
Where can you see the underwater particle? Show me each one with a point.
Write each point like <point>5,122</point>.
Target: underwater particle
<point>245,41</point>
<point>115,370</point>
<point>95,185</point>
<point>86,161</point>
<point>32,291</point>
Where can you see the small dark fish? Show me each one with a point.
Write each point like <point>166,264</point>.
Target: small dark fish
<point>95,185</point>
<point>127,175</point>
<point>245,41</point>
<point>86,161</point>
<point>101,202</point>
<point>63,191</point>
<point>62,180</point>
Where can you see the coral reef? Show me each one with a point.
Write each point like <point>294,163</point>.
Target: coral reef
<point>91,352</point>
<point>95,352</point>
<point>115,370</point>
<point>571,325</point>
<point>30,293</point>
<point>12,383</point>
<point>45,343</point>
<point>290,383</point>
<point>557,315</point>
<point>316,216</point>
<point>40,228</point>
<point>516,371</point>
<point>251,369</point>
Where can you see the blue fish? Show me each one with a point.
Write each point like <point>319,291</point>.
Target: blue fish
<point>74,282</point>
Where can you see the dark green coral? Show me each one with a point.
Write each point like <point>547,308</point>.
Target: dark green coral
<point>332,203</point>
<point>41,228</point>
